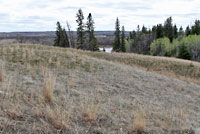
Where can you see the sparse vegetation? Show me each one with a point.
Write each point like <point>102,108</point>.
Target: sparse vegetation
<point>64,90</point>
<point>58,118</point>
<point>171,67</point>
<point>2,71</point>
<point>48,87</point>
<point>139,120</point>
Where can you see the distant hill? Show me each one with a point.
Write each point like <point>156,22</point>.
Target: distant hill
<point>105,38</point>
<point>8,35</point>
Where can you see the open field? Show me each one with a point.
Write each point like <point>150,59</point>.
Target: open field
<point>56,90</point>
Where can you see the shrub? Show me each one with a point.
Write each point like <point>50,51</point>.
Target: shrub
<point>187,48</point>
<point>160,47</point>
<point>192,43</point>
<point>184,52</point>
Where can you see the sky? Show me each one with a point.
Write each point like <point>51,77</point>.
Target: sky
<point>42,15</point>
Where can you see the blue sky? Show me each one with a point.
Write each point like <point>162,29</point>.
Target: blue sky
<point>42,15</point>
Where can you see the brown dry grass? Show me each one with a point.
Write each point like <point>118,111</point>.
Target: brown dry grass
<point>59,118</point>
<point>48,86</point>
<point>171,67</point>
<point>14,112</point>
<point>42,102</point>
<point>139,121</point>
<point>90,112</point>
<point>2,71</point>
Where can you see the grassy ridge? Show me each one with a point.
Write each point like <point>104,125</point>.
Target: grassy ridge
<point>55,90</point>
<point>172,67</point>
<point>183,69</point>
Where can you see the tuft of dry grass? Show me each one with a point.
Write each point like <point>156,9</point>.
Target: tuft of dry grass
<point>48,86</point>
<point>90,111</point>
<point>90,114</point>
<point>57,117</point>
<point>2,72</point>
<point>139,122</point>
<point>14,113</point>
<point>71,82</point>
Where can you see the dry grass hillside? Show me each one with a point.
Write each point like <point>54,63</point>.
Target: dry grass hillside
<point>49,90</point>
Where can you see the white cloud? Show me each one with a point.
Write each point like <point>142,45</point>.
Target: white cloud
<point>41,15</point>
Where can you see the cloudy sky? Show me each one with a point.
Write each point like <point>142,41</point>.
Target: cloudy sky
<point>41,15</point>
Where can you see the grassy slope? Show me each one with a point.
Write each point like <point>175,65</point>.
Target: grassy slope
<point>172,67</point>
<point>55,90</point>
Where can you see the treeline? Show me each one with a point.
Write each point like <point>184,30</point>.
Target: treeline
<point>186,48</point>
<point>166,40</point>
<point>85,38</point>
<point>161,40</point>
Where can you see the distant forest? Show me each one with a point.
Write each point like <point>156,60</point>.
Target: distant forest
<point>166,40</point>
<point>161,40</point>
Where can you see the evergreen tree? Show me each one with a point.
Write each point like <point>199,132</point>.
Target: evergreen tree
<point>175,31</point>
<point>80,30</point>
<point>159,31</point>
<point>138,29</point>
<point>144,30</point>
<point>153,30</point>
<point>184,52</point>
<point>168,29</point>
<point>123,49</point>
<point>196,27</point>
<point>181,32</point>
<point>116,44</point>
<point>64,39</point>
<point>188,31</point>
<point>57,41</point>
<point>61,38</point>
<point>91,39</point>
<point>132,35</point>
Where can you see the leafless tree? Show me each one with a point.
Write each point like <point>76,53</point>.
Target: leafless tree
<point>71,36</point>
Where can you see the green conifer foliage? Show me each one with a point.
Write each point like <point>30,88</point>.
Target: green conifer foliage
<point>80,30</point>
<point>91,39</point>
<point>116,44</point>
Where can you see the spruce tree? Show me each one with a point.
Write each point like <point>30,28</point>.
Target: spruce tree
<point>144,30</point>
<point>65,39</point>
<point>123,49</point>
<point>196,27</point>
<point>181,32</point>
<point>91,39</point>
<point>138,29</point>
<point>159,31</point>
<point>184,52</point>
<point>132,35</point>
<point>57,41</point>
<point>175,31</point>
<point>61,38</point>
<point>80,30</point>
<point>116,44</point>
<point>168,29</point>
<point>187,31</point>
